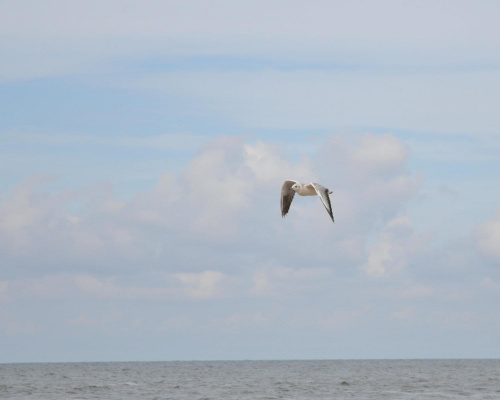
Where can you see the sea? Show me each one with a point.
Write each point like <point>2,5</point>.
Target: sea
<point>239,380</point>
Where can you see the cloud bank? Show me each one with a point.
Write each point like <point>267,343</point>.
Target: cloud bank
<point>206,250</point>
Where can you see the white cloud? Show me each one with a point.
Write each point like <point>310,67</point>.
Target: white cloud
<point>273,280</point>
<point>108,289</point>
<point>217,186</point>
<point>460,319</point>
<point>39,224</point>
<point>416,291</point>
<point>380,259</point>
<point>407,313</point>
<point>24,210</point>
<point>261,283</point>
<point>4,294</point>
<point>395,245</point>
<point>240,320</point>
<point>67,287</point>
<point>47,287</point>
<point>83,320</point>
<point>488,236</point>
<point>175,322</point>
<point>269,166</point>
<point>228,193</point>
<point>15,326</point>
<point>203,285</point>
<point>491,284</point>
<point>367,189</point>
<point>343,318</point>
<point>380,152</point>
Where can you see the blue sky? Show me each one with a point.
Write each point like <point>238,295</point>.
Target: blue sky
<point>143,146</point>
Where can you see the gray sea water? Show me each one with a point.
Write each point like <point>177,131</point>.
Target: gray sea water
<point>405,379</point>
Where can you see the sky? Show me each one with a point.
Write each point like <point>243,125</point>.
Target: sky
<point>143,146</point>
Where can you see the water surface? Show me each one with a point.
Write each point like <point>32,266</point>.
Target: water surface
<point>301,380</point>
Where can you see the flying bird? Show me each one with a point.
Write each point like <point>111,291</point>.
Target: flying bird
<point>291,187</point>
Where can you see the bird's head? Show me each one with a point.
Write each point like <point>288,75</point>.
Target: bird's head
<point>295,187</point>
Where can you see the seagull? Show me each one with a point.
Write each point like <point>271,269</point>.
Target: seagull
<point>291,187</point>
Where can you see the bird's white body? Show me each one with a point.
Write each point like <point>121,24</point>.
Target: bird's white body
<point>304,190</point>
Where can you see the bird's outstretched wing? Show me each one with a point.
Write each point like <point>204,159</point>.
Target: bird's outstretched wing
<point>286,196</point>
<point>323,194</point>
